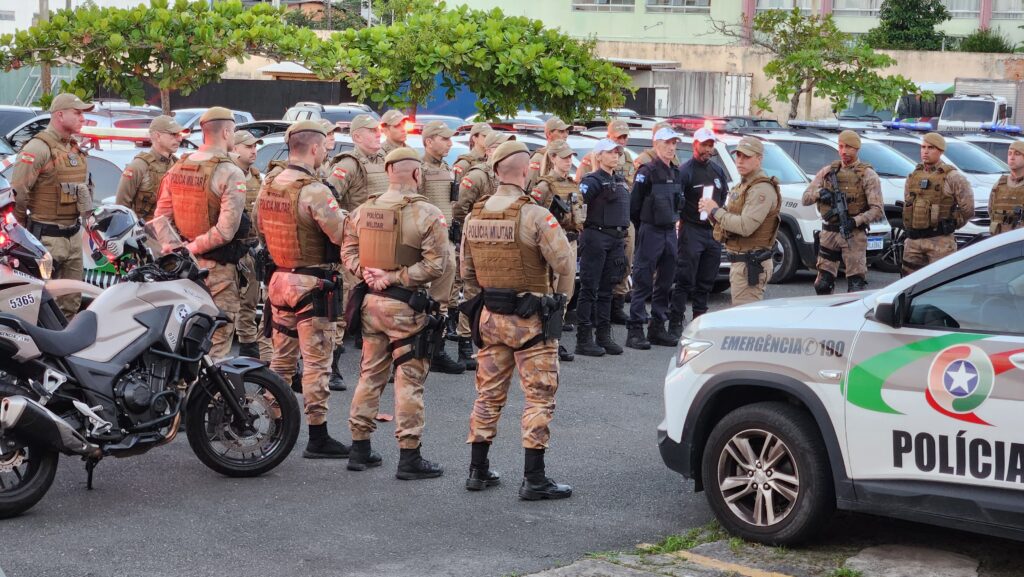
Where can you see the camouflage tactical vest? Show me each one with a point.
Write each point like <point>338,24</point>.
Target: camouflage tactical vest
<point>568,191</point>
<point>1006,199</point>
<point>292,241</point>
<point>492,179</point>
<point>764,236</point>
<point>196,208</point>
<point>437,187</point>
<point>144,203</point>
<point>500,259</point>
<point>54,197</point>
<point>851,182</point>
<point>466,161</point>
<point>918,213</point>
<point>380,234</point>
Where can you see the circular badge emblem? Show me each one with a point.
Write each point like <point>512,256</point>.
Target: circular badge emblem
<point>959,380</point>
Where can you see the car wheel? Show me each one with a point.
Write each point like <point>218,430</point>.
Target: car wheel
<point>786,257</point>
<point>766,474</point>
<point>891,259</point>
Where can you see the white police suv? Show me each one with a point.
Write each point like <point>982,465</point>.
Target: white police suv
<point>906,401</point>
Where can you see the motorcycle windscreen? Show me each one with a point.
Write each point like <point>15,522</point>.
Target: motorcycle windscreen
<point>23,245</point>
<point>161,236</point>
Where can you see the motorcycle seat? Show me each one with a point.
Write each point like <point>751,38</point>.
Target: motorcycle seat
<point>79,334</point>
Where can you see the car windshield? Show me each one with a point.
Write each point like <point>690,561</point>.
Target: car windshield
<point>1000,149</point>
<point>778,164</point>
<point>183,116</point>
<point>887,162</point>
<point>968,110</point>
<point>343,115</point>
<point>974,160</point>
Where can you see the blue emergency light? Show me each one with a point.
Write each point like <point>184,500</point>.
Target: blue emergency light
<point>900,125</point>
<point>1005,128</point>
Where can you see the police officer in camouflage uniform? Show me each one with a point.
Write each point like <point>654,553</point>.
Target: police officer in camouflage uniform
<point>937,201</point>
<point>392,126</point>
<point>397,243</point>
<point>477,150</point>
<point>863,190</point>
<point>477,182</point>
<point>602,243</point>
<point>302,224</point>
<point>203,195</point>
<point>51,180</point>
<point>618,132</point>
<point>324,172</point>
<point>557,183</point>
<point>1006,202</point>
<point>140,181</point>
<point>511,250</point>
<point>554,129</point>
<point>439,189</point>
<point>748,223</point>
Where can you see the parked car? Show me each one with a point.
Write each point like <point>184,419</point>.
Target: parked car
<point>334,113</point>
<point>274,148</point>
<point>13,116</point>
<point>188,118</point>
<point>261,128</point>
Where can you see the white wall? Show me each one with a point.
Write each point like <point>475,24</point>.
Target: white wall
<point>25,10</point>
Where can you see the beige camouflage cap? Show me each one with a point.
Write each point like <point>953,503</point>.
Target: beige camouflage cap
<point>400,154</point>
<point>329,127</point>
<point>507,149</point>
<point>750,146</point>
<point>850,138</point>
<point>497,137</point>
<point>393,117</point>
<point>555,123</point>
<point>561,149</point>
<point>618,128</point>
<point>216,113</point>
<point>437,128</point>
<point>1017,145</point>
<point>305,126</point>
<point>245,138</point>
<point>363,121</point>
<point>165,124</point>
<point>68,101</point>
<point>935,139</point>
<point>481,128</point>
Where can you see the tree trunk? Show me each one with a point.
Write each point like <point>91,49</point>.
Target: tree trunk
<point>809,101</point>
<point>794,103</point>
<point>45,80</point>
<point>165,100</point>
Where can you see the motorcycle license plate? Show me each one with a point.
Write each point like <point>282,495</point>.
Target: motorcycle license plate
<point>875,242</point>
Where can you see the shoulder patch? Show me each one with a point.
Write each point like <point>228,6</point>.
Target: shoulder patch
<point>467,182</point>
<point>537,194</point>
<point>240,186</point>
<point>552,221</point>
<point>535,165</point>
<point>440,219</point>
<point>457,170</point>
<point>27,158</point>
<point>584,188</point>
<point>641,177</point>
<point>127,173</point>
<point>339,173</point>
<point>333,204</point>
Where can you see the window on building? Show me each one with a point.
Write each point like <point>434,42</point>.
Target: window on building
<point>856,7</point>
<point>7,15</point>
<point>603,5</point>
<point>1008,9</point>
<point>963,8</point>
<point>692,6</point>
<point>765,5</point>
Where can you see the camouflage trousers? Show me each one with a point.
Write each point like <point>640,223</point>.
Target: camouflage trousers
<point>67,264</point>
<point>223,284</point>
<point>742,292</point>
<point>833,248</point>
<point>921,252</point>
<point>385,321</point>
<point>313,339</point>
<point>622,289</point>
<point>463,330</point>
<point>502,335</point>
<point>249,293</point>
<point>349,281</point>
<point>442,289</point>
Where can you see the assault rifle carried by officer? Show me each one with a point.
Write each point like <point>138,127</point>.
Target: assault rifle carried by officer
<point>937,200</point>
<point>848,193</point>
<point>1006,202</point>
<point>748,223</point>
<point>301,224</point>
<point>397,243</point>
<point>511,250</point>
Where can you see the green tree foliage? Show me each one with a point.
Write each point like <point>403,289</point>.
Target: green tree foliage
<point>909,25</point>
<point>985,40</point>
<point>811,56</point>
<point>509,62</point>
<point>172,48</point>
<point>340,16</point>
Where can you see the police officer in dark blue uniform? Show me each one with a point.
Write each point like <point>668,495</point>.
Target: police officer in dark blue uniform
<point>699,255</point>
<point>602,250</point>
<point>654,210</point>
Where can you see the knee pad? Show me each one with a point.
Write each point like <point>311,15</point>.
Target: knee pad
<point>825,283</point>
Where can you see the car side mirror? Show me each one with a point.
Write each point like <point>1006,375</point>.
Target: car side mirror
<point>1009,112</point>
<point>891,313</point>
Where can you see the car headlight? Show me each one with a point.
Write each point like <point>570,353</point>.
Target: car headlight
<point>689,349</point>
<point>46,266</point>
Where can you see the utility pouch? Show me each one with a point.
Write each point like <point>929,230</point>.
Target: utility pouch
<point>553,315</point>
<point>472,308</point>
<point>455,232</point>
<point>529,304</point>
<point>354,310</point>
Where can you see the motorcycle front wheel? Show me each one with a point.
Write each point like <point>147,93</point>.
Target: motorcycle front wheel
<point>244,449</point>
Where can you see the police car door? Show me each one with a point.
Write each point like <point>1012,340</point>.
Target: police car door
<point>934,402</point>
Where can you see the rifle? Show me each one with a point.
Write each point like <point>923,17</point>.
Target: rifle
<point>559,208</point>
<point>840,207</point>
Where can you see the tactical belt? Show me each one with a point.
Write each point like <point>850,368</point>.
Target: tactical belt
<point>549,308</point>
<point>919,233</point>
<point>615,231</point>
<point>424,343</point>
<point>753,259</point>
<point>39,229</point>
<point>835,227</point>
<point>307,301</point>
<point>417,299</point>
<point>320,273</point>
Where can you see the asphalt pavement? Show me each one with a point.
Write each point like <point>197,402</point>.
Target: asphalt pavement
<point>165,514</point>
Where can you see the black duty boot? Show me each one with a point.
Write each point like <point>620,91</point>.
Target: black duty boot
<point>536,485</point>
<point>675,328</point>
<point>635,338</point>
<point>297,378</point>
<point>322,446</point>
<point>825,284</point>
<point>336,383</point>
<point>604,340</point>
<point>452,330</point>
<point>569,324</point>
<point>856,283</point>
<point>251,350</point>
<point>619,314</point>
<point>657,335</point>
<point>564,355</point>
<point>442,362</point>
<point>412,466</point>
<point>480,474</point>
<point>585,344</point>
<point>466,353</point>
<point>363,456</point>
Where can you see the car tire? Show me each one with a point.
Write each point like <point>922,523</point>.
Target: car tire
<point>775,446</point>
<point>891,259</point>
<point>786,258</point>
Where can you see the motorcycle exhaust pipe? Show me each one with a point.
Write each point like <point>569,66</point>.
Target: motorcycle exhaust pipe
<point>31,423</point>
